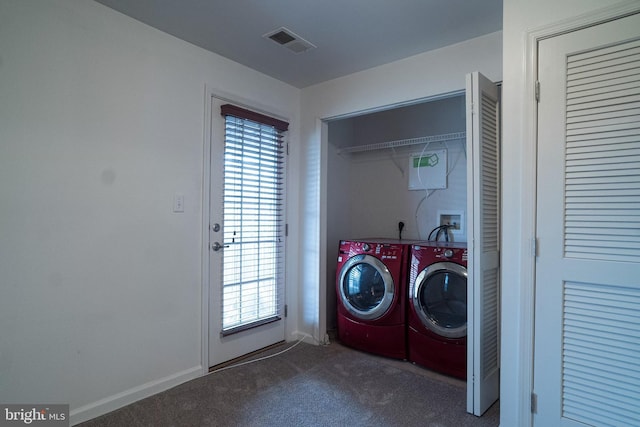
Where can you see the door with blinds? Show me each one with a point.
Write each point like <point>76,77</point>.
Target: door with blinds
<point>587,307</point>
<point>247,231</point>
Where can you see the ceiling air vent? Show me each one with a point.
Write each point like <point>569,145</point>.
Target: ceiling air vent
<point>290,40</point>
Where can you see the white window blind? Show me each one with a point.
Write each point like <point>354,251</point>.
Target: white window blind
<point>253,212</point>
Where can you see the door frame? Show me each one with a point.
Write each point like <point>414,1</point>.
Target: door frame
<point>204,231</point>
<point>526,305</point>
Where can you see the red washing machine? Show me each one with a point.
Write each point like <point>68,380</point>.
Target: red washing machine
<point>437,312</point>
<point>371,286</point>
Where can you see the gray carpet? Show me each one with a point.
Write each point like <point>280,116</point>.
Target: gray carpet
<point>309,386</point>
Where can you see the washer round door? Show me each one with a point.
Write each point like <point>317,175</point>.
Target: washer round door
<point>366,287</point>
<point>439,298</point>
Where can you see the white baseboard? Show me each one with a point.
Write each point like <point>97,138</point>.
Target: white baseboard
<point>305,337</point>
<point>116,401</point>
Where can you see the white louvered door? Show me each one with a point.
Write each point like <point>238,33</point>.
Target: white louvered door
<point>587,308</point>
<point>483,204</point>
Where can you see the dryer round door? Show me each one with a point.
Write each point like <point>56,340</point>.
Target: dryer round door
<point>366,287</point>
<point>439,298</point>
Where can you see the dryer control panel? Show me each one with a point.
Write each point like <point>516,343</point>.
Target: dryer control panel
<point>384,251</point>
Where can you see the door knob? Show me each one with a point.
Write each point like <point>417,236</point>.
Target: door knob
<point>217,246</point>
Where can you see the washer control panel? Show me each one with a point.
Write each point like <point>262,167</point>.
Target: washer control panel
<point>445,252</point>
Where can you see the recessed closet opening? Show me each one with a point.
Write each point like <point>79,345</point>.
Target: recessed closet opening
<point>401,165</point>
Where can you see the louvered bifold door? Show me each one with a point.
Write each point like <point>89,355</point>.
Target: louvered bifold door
<point>601,340</point>
<point>483,205</point>
<point>587,330</point>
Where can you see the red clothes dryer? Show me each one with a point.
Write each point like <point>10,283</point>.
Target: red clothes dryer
<point>437,309</point>
<point>371,286</point>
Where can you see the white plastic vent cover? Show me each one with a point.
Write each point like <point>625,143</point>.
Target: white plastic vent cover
<point>290,40</point>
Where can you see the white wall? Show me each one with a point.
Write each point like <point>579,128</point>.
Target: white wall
<point>101,123</point>
<point>380,198</point>
<point>422,76</point>
<point>378,183</point>
<point>518,150</point>
<point>338,206</point>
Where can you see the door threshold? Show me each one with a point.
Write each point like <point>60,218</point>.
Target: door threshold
<point>245,357</point>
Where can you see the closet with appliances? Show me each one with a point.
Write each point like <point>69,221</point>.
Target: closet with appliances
<point>402,172</point>
<point>369,176</point>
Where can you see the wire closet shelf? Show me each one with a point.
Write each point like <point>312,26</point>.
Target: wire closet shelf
<point>404,142</point>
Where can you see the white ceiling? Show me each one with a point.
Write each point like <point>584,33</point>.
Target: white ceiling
<point>350,35</point>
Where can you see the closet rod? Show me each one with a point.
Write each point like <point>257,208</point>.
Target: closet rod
<point>404,142</point>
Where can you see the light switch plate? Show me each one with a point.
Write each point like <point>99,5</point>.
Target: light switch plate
<point>178,203</point>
